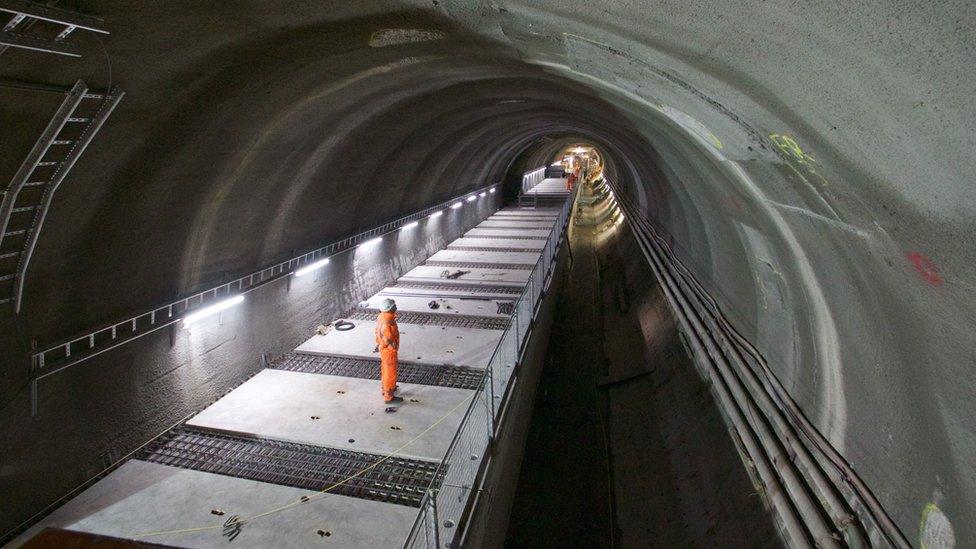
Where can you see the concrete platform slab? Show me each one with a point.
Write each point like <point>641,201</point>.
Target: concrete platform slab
<point>141,497</point>
<point>280,405</point>
<point>446,305</point>
<point>491,277</point>
<point>418,343</point>
<point>498,243</point>
<point>540,233</point>
<point>548,186</point>
<point>469,256</point>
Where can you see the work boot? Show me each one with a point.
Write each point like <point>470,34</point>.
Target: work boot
<point>393,400</point>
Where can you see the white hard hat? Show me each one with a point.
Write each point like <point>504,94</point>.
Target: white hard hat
<point>388,305</point>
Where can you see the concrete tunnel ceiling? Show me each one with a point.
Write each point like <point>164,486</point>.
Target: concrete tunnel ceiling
<point>810,162</point>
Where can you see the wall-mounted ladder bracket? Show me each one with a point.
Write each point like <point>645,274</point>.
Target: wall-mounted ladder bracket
<point>26,200</point>
<point>25,14</point>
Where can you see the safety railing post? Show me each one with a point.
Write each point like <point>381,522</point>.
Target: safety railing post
<point>437,525</point>
<point>491,424</point>
<point>491,392</point>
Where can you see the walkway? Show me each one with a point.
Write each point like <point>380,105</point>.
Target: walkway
<point>306,449</point>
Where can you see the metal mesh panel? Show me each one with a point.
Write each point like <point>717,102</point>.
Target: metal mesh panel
<point>489,227</point>
<point>435,319</point>
<point>489,249</point>
<point>505,236</point>
<point>458,377</point>
<point>476,265</point>
<point>474,288</point>
<point>394,480</point>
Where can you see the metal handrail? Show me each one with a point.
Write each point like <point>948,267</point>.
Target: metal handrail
<point>532,178</point>
<point>547,261</point>
<point>74,350</point>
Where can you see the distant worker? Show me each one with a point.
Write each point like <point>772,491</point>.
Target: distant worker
<point>387,343</point>
<point>570,180</point>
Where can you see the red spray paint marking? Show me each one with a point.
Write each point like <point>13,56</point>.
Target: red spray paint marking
<point>928,270</point>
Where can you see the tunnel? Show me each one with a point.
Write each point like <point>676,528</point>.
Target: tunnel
<point>748,326</point>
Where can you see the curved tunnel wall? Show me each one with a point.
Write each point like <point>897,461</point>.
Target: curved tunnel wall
<point>809,164</point>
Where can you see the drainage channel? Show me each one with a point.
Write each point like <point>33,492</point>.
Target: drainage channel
<point>473,288</point>
<point>394,480</point>
<point>434,319</point>
<point>456,377</point>
<point>477,265</point>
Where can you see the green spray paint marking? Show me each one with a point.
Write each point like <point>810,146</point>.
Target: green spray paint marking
<point>935,530</point>
<point>797,159</point>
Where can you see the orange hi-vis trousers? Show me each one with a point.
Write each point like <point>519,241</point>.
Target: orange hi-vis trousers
<point>388,372</point>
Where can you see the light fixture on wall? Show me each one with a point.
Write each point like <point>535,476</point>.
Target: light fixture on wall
<point>312,266</point>
<point>371,241</point>
<point>483,194</point>
<point>410,225</point>
<point>492,190</point>
<point>472,198</point>
<point>213,309</point>
<point>456,205</point>
<point>438,213</point>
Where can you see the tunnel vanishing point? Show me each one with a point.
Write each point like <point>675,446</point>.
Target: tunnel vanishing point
<point>667,273</point>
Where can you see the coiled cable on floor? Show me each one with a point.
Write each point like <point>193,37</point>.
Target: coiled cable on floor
<point>343,325</point>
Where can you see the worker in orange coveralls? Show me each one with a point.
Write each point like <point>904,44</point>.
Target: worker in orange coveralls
<point>570,180</point>
<point>388,342</point>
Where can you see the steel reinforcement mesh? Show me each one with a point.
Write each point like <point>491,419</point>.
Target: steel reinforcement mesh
<point>358,474</point>
<point>434,319</point>
<point>505,237</point>
<point>490,249</point>
<point>473,288</point>
<point>457,377</point>
<point>477,265</point>
<point>489,227</point>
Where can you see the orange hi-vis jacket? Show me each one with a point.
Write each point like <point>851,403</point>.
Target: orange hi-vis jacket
<point>387,333</point>
<point>388,341</point>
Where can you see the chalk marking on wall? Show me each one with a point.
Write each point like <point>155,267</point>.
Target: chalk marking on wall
<point>935,530</point>
<point>796,157</point>
<point>926,268</point>
<point>834,409</point>
<point>847,227</point>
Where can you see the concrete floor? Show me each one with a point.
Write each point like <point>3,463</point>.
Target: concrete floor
<point>446,305</point>
<point>641,445</point>
<point>549,185</point>
<point>519,258</point>
<point>418,343</point>
<point>328,411</point>
<point>498,243</point>
<point>488,277</point>
<point>565,469</point>
<point>541,233</point>
<point>280,405</point>
<point>520,223</point>
<point>140,498</point>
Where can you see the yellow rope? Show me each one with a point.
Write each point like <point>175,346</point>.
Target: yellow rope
<point>318,494</point>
